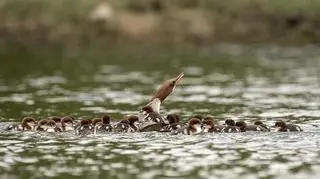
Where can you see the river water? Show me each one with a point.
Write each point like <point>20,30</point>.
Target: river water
<point>226,81</point>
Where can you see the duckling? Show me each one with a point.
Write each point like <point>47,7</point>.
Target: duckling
<point>260,123</point>
<point>281,126</point>
<point>174,123</point>
<point>67,124</point>
<point>151,115</point>
<point>133,122</point>
<point>42,125</point>
<point>122,126</point>
<point>57,120</point>
<point>102,125</point>
<point>230,127</point>
<point>51,126</point>
<point>85,127</point>
<point>193,127</point>
<point>27,124</point>
<point>208,125</point>
<point>244,127</point>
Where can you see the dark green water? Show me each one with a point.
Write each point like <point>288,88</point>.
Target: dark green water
<point>227,81</point>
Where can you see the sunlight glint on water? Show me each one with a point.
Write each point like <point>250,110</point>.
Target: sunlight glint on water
<point>270,86</point>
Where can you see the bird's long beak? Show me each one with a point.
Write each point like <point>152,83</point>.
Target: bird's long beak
<point>179,78</point>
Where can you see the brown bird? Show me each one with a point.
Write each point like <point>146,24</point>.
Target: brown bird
<point>163,92</point>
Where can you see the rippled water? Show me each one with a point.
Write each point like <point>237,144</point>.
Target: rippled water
<point>228,81</point>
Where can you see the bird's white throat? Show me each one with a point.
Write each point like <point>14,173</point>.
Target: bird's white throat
<point>155,105</point>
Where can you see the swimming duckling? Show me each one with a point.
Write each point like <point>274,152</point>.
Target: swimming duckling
<point>122,126</point>
<point>260,123</point>
<point>244,127</point>
<point>85,128</point>
<point>41,125</point>
<point>193,127</point>
<point>67,124</point>
<point>103,125</point>
<point>208,125</point>
<point>230,127</point>
<point>57,120</point>
<point>27,124</point>
<point>51,126</point>
<point>174,123</point>
<point>281,126</point>
<point>151,115</point>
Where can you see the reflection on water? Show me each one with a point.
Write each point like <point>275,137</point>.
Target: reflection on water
<point>231,82</point>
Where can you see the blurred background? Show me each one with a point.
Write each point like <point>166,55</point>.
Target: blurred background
<point>68,26</point>
<point>243,60</point>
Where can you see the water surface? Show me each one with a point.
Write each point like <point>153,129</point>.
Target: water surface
<point>228,81</point>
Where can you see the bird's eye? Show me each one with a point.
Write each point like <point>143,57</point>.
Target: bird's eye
<point>172,83</point>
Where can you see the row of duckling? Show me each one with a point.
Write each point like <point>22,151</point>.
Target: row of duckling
<point>68,123</point>
<point>198,124</point>
<point>171,123</point>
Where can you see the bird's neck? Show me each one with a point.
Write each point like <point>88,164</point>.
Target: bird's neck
<point>155,105</point>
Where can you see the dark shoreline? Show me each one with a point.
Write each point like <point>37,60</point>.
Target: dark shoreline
<point>77,26</point>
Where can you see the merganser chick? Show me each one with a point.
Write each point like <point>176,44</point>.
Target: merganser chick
<point>133,122</point>
<point>151,115</point>
<point>103,125</point>
<point>85,127</point>
<point>51,126</point>
<point>67,124</point>
<point>217,127</point>
<point>281,126</point>
<point>230,127</point>
<point>57,120</point>
<point>174,123</point>
<point>259,123</point>
<point>193,127</point>
<point>244,127</point>
<point>208,125</point>
<point>42,125</point>
<point>96,120</point>
<point>27,124</point>
<point>123,126</point>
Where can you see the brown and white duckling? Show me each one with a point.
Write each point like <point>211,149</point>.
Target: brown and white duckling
<point>193,127</point>
<point>150,115</point>
<point>208,125</point>
<point>85,127</point>
<point>260,123</point>
<point>217,126</point>
<point>244,127</point>
<point>67,124</point>
<point>230,127</point>
<point>133,122</point>
<point>102,125</point>
<point>57,120</point>
<point>281,126</point>
<point>51,126</point>
<point>174,123</point>
<point>27,124</point>
<point>41,125</point>
<point>122,126</point>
